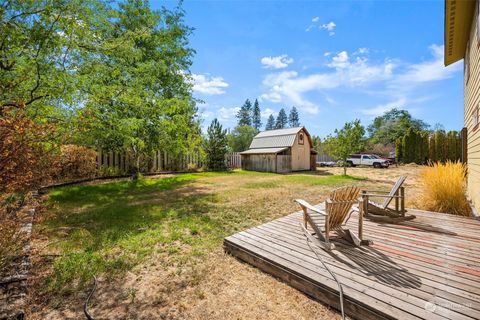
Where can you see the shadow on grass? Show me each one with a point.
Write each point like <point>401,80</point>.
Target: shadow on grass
<point>108,229</point>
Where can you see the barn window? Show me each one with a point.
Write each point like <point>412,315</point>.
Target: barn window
<point>300,138</point>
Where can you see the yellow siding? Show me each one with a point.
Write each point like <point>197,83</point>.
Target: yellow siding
<point>472,100</point>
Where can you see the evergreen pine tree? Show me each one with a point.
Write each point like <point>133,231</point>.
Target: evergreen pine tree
<point>244,115</point>
<point>282,119</point>
<point>398,150</point>
<point>216,146</point>
<point>270,123</point>
<point>293,118</point>
<point>256,116</point>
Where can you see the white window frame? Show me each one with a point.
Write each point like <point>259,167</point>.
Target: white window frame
<point>475,118</point>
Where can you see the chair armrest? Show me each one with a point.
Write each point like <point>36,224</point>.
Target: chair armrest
<point>377,191</point>
<point>381,195</point>
<point>305,204</point>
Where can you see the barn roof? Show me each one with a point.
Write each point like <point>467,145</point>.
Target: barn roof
<point>276,138</point>
<point>263,150</point>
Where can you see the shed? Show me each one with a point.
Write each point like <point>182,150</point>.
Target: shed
<point>281,150</point>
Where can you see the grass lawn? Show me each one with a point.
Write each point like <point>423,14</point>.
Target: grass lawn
<point>156,244</point>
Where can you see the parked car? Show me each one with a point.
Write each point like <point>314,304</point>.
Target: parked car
<point>367,160</point>
<point>326,164</point>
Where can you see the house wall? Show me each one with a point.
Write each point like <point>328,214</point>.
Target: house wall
<point>301,153</point>
<point>472,101</point>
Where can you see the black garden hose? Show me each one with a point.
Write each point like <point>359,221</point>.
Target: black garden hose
<point>85,306</point>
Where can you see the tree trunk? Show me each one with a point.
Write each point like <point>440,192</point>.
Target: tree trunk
<point>344,168</point>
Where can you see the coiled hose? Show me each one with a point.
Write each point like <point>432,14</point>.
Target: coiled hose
<point>310,242</point>
<point>85,306</point>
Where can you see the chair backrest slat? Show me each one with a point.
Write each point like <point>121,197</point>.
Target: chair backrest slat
<point>394,191</point>
<point>339,204</point>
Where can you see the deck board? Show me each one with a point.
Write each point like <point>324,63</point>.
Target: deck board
<point>428,268</point>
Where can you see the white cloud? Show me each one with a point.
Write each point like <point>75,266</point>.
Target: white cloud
<point>267,112</point>
<point>381,109</point>
<point>326,54</point>
<point>340,60</point>
<point>362,51</point>
<point>431,70</point>
<point>328,26</point>
<point>315,19</point>
<point>331,33</point>
<point>206,84</point>
<point>398,81</point>
<point>277,62</point>
<point>226,114</point>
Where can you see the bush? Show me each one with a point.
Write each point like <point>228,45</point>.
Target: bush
<point>444,187</point>
<point>75,162</point>
<point>26,161</point>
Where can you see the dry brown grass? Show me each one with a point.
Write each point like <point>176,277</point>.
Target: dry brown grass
<point>215,285</point>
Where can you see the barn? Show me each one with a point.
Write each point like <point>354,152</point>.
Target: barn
<point>282,150</point>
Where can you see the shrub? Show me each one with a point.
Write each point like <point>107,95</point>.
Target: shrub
<point>25,158</point>
<point>444,187</point>
<point>75,162</point>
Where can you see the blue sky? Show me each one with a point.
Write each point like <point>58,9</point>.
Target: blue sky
<point>335,61</point>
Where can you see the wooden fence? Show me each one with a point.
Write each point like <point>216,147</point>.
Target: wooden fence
<point>112,163</point>
<point>234,160</point>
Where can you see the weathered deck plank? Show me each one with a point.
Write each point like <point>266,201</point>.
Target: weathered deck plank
<point>428,268</point>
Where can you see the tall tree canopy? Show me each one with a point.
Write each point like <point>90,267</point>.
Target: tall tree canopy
<point>44,45</point>
<point>256,116</point>
<point>393,125</point>
<point>244,115</point>
<point>140,98</point>
<point>350,139</point>
<point>270,123</point>
<point>241,137</point>
<point>293,118</point>
<point>282,119</point>
<point>108,75</point>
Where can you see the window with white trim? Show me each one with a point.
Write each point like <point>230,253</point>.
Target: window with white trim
<point>475,119</point>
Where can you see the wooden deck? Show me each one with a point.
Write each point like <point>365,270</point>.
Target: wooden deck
<point>428,268</point>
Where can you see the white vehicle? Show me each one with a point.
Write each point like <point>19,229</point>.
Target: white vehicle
<point>367,160</point>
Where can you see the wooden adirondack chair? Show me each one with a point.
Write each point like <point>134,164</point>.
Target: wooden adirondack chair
<point>382,212</point>
<point>337,207</point>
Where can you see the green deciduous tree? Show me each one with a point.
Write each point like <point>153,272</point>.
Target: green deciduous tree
<point>256,116</point>
<point>244,115</point>
<point>282,119</point>
<point>140,97</point>
<point>293,118</point>
<point>350,139</point>
<point>216,146</point>
<point>392,125</point>
<point>241,137</point>
<point>270,123</point>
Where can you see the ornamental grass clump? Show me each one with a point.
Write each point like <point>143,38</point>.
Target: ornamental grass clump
<point>444,187</point>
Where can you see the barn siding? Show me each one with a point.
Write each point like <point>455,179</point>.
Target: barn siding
<point>472,101</point>
<point>301,153</point>
<point>259,162</point>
